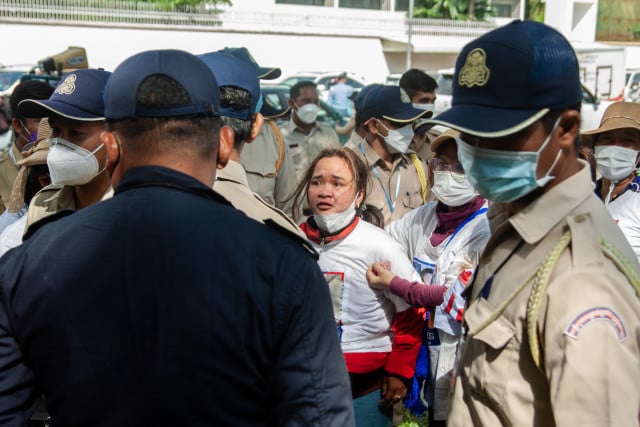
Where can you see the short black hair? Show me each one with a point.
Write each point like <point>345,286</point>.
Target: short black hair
<point>239,100</point>
<point>414,81</point>
<point>294,92</point>
<point>29,89</point>
<point>147,134</point>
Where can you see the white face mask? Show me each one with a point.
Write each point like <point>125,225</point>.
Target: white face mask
<point>307,113</point>
<point>398,140</point>
<point>70,164</point>
<point>452,188</point>
<point>428,107</point>
<point>331,223</point>
<point>614,162</point>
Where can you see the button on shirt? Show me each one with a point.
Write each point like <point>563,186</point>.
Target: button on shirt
<point>395,191</point>
<point>304,148</point>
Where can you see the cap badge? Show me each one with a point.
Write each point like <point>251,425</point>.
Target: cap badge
<point>68,86</point>
<point>474,72</point>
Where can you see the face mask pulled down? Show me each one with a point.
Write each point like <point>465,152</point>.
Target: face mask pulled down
<point>70,164</point>
<point>504,176</point>
<point>331,223</point>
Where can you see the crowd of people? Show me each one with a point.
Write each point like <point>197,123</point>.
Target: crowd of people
<point>171,255</point>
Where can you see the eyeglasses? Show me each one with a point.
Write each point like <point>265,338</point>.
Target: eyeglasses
<point>441,165</point>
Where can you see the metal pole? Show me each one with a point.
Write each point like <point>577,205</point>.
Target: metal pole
<point>523,6</point>
<point>409,47</point>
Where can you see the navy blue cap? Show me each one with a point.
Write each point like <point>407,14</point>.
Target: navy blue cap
<point>387,102</point>
<point>183,67</point>
<point>509,78</point>
<point>78,96</point>
<point>231,71</point>
<point>263,73</point>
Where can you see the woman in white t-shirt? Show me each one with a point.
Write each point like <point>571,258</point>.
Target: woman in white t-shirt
<point>379,332</point>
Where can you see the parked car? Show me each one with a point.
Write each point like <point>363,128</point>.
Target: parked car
<point>276,99</point>
<point>591,110</point>
<point>324,81</point>
<point>10,77</point>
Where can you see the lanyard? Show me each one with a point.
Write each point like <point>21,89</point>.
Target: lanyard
<point>392,205</point>
<point>465,222</point>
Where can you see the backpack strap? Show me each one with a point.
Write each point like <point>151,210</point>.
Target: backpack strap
<point>279,140</point>
<point>417,163</point>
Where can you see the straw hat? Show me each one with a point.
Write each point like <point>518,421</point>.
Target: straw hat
<point>620,115</point>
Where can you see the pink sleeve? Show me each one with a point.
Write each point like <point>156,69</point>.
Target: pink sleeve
<point>417,293</point>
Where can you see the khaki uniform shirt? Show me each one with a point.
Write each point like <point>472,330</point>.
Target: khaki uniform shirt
<point>8,173</point>
<point>305,148</point>
<point>231,183</point>
<point>588,325</point>
<point>52,199</point>
<point>354,141</point>
<point>259,159</point>
<point>401,184</point>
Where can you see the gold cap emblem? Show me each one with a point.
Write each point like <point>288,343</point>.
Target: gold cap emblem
<point>68,86</point>
<point>474,72</point>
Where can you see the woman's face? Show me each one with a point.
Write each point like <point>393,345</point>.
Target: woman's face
<point>331,189</point>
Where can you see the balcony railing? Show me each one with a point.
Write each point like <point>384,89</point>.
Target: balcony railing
<point>149,15</point>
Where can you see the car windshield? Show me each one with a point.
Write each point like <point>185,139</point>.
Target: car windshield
<point>7,78</point>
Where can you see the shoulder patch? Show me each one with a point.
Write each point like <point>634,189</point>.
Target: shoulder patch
<point>596,314</point>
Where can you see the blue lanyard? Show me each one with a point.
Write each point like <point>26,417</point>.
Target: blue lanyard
<point>392,205</point>
<point>465,222</point>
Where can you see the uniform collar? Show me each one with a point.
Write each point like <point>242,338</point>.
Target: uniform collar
<point>292,127</point>
<point>233,171</point>
<point>538,218</point>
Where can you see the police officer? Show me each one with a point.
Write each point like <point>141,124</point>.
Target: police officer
<point>267,161</point>
<point>164,305</point>
<point>397,179</point>
<point>553,318</point>
<point>239,94</point>
<point>77,157</point>
<point>24,134</point>
<point>304,135</point>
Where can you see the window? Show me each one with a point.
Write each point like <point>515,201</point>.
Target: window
<point>362,4</point>
<point>302,2</point>
<point>402,5</point>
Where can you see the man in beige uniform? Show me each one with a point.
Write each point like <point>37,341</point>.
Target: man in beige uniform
<point>553,318</point>
<point>239,93</point>
<point>267,162</point>
<point>76,157</point>
<point>397,178</point>
<point>303,134</point>
<point>24,133</point>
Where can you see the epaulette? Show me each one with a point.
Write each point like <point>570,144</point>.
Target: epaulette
<point>44,221</point>
<point>293,236</point>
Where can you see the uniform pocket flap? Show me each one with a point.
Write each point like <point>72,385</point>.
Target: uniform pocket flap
<point>497,333</point>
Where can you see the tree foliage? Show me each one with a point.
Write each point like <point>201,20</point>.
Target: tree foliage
<point>187,5</point>
<point>453,9</point>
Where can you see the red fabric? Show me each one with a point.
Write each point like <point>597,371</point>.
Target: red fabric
<point>313,233</point>
<point>448,221</point>
<point>362,363</point>
<point>407,330</point>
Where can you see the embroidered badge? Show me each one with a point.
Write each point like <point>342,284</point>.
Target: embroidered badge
<point>68,86</point>
<point>593,314</point>
<point>474,72</point>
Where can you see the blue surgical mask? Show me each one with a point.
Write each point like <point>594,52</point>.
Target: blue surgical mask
<point>504,176</point>
<point>259,104</point>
